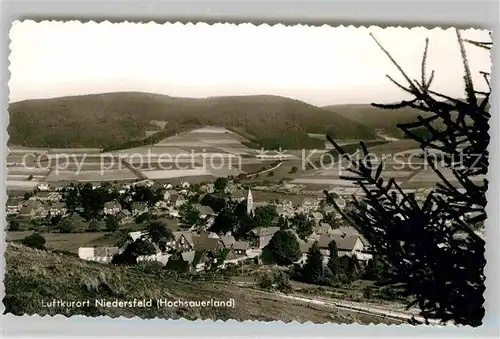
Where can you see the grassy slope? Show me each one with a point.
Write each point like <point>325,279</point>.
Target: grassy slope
<point>378,118</point>
<point>101,120</point>
<point>33,276</point>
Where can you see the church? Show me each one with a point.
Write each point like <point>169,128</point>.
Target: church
<point>250,205</point>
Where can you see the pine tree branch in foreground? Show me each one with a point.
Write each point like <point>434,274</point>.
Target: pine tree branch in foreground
<point>430,245</point>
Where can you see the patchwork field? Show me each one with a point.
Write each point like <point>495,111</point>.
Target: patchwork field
<point>21,170</point>
<point>123,174</point>
<point>401,161</point>
<point>207,152</point>
<point>173,173</point>
<point>200,155</point>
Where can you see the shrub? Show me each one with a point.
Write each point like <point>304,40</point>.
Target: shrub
<point>112,224</point>
<point>34,241</point>
<point>368,292</point>
<point>14,225</point>
<point>65,226</point>
<point>142,218</point>
<point>93,226</point>
<point>282,282</point>
<point>265,281</point>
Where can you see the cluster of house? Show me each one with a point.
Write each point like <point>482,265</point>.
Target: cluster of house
<point>194,250</point>
<point>38,206</point>
<point>313,206</point>
<point>173,199</point>
<point>348,240</point>
<point>191,251</point>
<point>169,206</point>
<point>49,201</point>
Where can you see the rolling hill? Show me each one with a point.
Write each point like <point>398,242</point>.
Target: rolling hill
<point>119,120</point>
<point>377,118</point>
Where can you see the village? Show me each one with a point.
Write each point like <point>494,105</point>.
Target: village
<point>204,237</point>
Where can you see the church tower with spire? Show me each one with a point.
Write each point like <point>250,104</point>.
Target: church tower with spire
<point>249,202</point>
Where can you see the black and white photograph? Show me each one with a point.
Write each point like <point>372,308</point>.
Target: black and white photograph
<point>294,173</point>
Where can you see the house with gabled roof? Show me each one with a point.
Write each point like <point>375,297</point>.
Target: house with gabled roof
<point>43,186</point>
<point>323,228</point>
<point>123,217</point>
<point>136,235</point>
<point>33,209</point>
<point>309,202</point>
<point>98,254</point>
<point>228,241</point>
<point>204,210</point>
<point>27,212</point>
<point>139,208</point>
<point>264,235</point>
<point>304,249</point>
<point>112,207</point>
<point>177,200</point>
<point>347,245</point>
<point>205,243</point>
<point>182,262</point>
<point>241,247</point>
<point>317,217</point>
<point>13,206</point>
<point>57,208</point>
<point>239,195</point>
<point>184,241</point>
<point>208,234</point>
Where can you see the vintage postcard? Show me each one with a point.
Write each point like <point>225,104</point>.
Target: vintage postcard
<point>270,173</point>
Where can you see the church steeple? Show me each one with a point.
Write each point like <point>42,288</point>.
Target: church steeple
<point>249,202</point>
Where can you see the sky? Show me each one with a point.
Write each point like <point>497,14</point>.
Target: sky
<point>319,65</point>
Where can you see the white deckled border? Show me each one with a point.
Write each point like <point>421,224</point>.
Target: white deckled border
<point>79,324</point>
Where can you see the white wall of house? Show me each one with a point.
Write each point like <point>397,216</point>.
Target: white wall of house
<point>364,256</point>
<point>113,210</point>
<point>104,260</point>
<point>159,257</point>
<point>86,253</point>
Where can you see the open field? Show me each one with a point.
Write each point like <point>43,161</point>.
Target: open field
<point>16,185</point>
<point>154,150</point>
<point>324,181</point>
<point>224,172</point>
<point>207,139</point>
<point>65,241</point>
<point>397,164</point>
<point>20,150</point>
<point>21,170</point>
<point>70,242</point>
<point>205,152</point>
<point>192,180</point>
<point>395,147</point>
<point>173,173</point>
<point>166,166</point>
<point>92,176</point>
<point>238,151</point>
